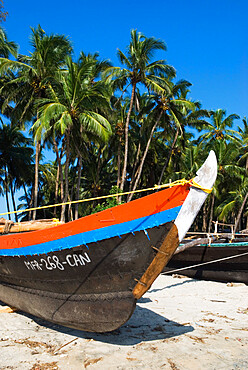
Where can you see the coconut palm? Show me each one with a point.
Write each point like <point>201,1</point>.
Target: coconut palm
<point>15,157</point>
<point>34,74</point>
<point>234,203</point>
<point>229,172</point>
<point>220,128</point>
<point>7,47</point>
<point>243,132</point>
<point>139,69</point>
<point>71,111</point>
<point>236,199</point>
<point>171,109</point>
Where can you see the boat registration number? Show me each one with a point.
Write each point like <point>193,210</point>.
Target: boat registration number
<point>54,262</point>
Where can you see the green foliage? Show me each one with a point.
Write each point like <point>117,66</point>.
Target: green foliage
<point>98,124</point>
<point>109,202</point>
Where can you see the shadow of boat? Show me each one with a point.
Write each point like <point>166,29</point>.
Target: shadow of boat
<point>144,325</point>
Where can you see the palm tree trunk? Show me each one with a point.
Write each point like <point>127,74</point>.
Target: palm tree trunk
<point>70,213</point>
<point>13,199</point>
<point>118,170</point>
<point>119,164</point>
<point>56,192</point>
<point>169,155</point>
<point>124,171</point>
<point>144,157</point>
<point>211,213</point>
<point>25,191</point>
<point>98,170</point>
<point>6,193</point>
<point>240,213</point>
<point>79,171</point>
<point>59,157</point>
<point>135,166</point>
<point>30,204</point>
<point>67,162</point>
<point>36,177</point>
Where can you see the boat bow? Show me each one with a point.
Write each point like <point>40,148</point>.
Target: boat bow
<point>201,186</point>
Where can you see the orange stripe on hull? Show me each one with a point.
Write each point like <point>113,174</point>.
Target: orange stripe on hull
<point>149,205</point>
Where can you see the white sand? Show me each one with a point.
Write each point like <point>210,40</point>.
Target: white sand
<point>180,323</point>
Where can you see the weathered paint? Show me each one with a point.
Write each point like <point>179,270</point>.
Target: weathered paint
<point>141,214</point>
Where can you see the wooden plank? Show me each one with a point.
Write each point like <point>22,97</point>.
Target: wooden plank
<point>164,254</point>
<point>193,243</point>
<point>30,226</point>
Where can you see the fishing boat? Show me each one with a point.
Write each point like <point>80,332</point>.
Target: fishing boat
<point>88,274</point>
<point>218,261</point>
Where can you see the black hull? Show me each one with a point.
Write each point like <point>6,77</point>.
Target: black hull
<point>230,270</point>
<point>86,287</point>
<point>90,312</point>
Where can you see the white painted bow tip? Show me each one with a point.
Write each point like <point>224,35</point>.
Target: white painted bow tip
<point>206,177</point>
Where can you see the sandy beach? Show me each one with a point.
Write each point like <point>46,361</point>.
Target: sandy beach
<point>180,323</point>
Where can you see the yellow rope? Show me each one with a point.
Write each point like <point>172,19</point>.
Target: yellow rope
<point>156,187</point>
<point>195,185</point>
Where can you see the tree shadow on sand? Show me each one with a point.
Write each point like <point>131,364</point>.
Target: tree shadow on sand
<point>173,285</point>
<point>144,325</point>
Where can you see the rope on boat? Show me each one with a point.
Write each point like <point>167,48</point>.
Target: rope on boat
<point>205,263</point>
<point>155,187</point>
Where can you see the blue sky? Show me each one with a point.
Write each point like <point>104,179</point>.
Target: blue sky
<point>206,39</point>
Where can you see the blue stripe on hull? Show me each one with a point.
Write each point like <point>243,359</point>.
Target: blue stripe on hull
<point>96,235</point>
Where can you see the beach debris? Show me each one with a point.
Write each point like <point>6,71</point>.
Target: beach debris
<point>196,339</point>
<point>207,320</point>
<point>45,366</point>
<point>66,344</point>
<point>172,364</point>
<point>213,331</point>
<point>34,344</point>
<point>8,309</point>
<point>131,358</point>
<point>235,284</point>
<point>92,361</point>
<point>242,310</point>
<point>178,276</point>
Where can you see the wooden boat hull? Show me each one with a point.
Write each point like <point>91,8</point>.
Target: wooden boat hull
<point>88,274</point>
<point>88,288</point>
<point>227,270</point>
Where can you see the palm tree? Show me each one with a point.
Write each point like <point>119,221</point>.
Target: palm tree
<point>220,137</point>
<point>138,70</point>
<point>172,107</point>
<point>234,203</point>
<point>220,128</point>
<point>243,132</point>
<point>229,172</point>
<point>6,47</point>
<point>15,157</point>
<point>71,111</point>
<point>167,112</point>
<point>236,199</point>
<point>34,75</point>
